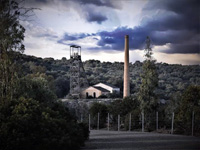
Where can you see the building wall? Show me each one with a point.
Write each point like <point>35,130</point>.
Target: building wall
<point>91,92</point>
<point>105,93</point>
<point>117,90</point>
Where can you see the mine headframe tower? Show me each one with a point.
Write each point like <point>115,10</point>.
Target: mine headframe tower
<point>78,80</point>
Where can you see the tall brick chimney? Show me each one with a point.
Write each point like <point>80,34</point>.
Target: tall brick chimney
<point>126,68</point>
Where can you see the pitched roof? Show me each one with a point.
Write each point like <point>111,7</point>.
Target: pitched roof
<point>100,88</point>
<point>75,46</point>
<point>109,85</point>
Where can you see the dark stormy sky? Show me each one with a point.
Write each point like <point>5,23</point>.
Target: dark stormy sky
<point>99,27</point>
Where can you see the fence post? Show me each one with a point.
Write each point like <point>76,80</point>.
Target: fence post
<point>142,121</point>
<point>172,130</point>
<point>89,122</point>
<point>130,122</point>
<point>192,123</point>
<point>98,122</point>
<point>118,122</point>
<point>156,121</point>
<point>108,122</point>
<point>81,117</point>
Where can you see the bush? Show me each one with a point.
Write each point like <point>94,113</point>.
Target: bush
<point>135,120</point>
<point>124,108</point>
<point>102,110</point>
<point>103,96</point>
<point>27,124</point>
<point>35,120</point>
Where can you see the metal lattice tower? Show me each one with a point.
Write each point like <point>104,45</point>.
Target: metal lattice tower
<point>78,80</point>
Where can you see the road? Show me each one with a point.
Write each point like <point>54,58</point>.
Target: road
<point>124,140</point>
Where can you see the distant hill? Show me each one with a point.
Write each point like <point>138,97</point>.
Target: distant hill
<point>172,78</point>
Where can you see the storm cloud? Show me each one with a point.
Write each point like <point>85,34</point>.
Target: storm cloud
<point>72,37</point>
<point>174,23</point>
<point>99,3</point>
<point>93,15</point>
<point>90,10</point>
<point>96,18</point>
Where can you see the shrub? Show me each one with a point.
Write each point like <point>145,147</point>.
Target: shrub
<point>102,110</point>
<point>28,124</point>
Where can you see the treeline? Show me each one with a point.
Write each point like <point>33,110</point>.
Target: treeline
<point>172,78</point>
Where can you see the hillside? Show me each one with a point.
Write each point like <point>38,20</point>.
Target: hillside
<point>172,78</point>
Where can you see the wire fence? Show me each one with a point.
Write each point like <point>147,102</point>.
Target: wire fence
<point>163,123</point>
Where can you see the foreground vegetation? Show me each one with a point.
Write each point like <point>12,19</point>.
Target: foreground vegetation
<point>31,117</point>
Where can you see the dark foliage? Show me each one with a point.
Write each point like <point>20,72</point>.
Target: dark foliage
<point>30,116</point>
<point>189,104</point>
<point>124,108</point>
<point>102,110</point>
<point>36,120</point>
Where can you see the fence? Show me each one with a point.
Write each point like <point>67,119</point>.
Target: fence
<point>129,123</point>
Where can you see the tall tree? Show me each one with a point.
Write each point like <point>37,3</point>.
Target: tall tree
<point>11,37</point>
<point>29,116</point>
<point>149,78</point>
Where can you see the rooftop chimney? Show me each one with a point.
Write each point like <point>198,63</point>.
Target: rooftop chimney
<point>126,68</point>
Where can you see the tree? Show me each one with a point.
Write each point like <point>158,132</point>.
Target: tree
<point>11,37</point>
<point>149,78</point>
<point>189,103</point>
<point>36,88</point>
<point>62,87</point>
<point>30,116</point>
<point>11,31</point>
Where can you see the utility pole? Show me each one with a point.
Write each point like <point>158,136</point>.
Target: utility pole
<point>89,122</point>
<point>172,130</point>
<point>130,122</point>
<point>142,121</point>
<point>118,122</point>
<point>108,122</point>
<point>157,121</point>
<point>98,122</point>
<point>192,123</point>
